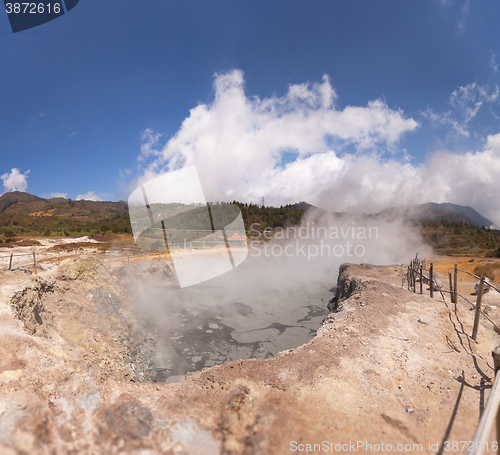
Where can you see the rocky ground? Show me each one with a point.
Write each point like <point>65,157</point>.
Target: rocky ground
<point>386,367</point>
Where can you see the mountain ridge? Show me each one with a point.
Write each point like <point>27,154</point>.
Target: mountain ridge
<point>440,211</point>
<point>23,203</point>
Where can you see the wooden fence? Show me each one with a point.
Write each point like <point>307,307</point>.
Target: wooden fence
<point>30,260</point>
<point>417,274</point>
<point>491,414</point>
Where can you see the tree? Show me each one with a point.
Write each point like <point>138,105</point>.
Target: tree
<point>9,233</point>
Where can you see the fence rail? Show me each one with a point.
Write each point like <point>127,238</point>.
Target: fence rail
<point>415,274</point>
<point>175,249</point>
<point>40,258</point>
<point>490,414</point>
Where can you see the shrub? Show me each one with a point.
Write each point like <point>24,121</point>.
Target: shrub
<point>9,233</point>
<point>490,270</point>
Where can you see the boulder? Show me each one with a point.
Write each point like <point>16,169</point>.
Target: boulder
<point>485,288</point>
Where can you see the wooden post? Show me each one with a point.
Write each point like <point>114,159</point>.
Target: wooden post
<point>455,284</point>
<point>184,243</point>
<point>10,262</point>
<point>411,275</point>
<point>478,309</point>
<point>34,261</point>
<point>128,258</point>
<point>451,286</point>
<point>421,281</point>
<point>415,274</point>
<point>414,279</point>
<point>431,279</point>
<point>496,358</point>
<point>58,257</point>
<point>159,255</point>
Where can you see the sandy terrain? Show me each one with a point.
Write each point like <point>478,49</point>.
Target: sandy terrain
<point>444,264</point>
<point>387,367</point>
<point>23,255</point>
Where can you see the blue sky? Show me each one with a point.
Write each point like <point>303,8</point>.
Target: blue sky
<point>398,100</point>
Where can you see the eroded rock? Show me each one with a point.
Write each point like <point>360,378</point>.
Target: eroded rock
<point>372,374</point>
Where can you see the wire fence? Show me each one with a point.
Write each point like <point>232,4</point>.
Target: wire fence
<point>416,273</point>
<point>32,261</point>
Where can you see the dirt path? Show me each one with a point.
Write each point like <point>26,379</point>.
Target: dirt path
<point>390,367</point>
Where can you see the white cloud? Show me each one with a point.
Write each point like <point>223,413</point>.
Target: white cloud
<point>64,195</point>
<point>89,196</point>
<point>470,98</point>
<point>493,63</point>
<point>464,15</point>
<point>125,172</point>
<point>36,117</point>
<point>150,140</point>
<point>238,142</point>
<point>369,184</point>
<point>458,10</point>
<point>15,181</point>
<point>446,119</point>
<point>466,102</point>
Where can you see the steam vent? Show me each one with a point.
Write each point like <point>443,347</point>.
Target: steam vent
<point>93,361</point>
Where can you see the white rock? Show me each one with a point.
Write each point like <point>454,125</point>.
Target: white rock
<point>485,288</point>
<point>424,320</point>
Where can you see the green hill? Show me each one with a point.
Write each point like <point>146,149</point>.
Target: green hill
<point>434,211</point>
<point>23,213</point>
<point>448,228</point>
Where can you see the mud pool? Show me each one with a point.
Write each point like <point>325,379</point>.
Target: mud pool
<point>196,328</point>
